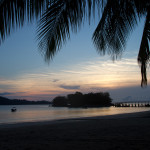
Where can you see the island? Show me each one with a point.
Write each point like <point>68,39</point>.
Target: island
<point>101,99</point>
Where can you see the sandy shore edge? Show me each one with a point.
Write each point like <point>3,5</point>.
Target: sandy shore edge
<point>114,116</point>
<point>116,132</point>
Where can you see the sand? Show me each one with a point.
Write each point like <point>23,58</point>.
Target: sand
<point>117,132</point>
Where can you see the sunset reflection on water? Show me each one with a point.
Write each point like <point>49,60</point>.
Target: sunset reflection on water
<point>33,113</point>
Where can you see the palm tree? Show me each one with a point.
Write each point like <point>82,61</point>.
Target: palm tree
<point>57,18</point>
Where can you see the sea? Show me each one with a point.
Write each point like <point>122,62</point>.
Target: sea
<point>37,113</point>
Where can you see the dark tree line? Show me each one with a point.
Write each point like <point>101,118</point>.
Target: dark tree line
<point>83,100</point>
<point>6,101</point>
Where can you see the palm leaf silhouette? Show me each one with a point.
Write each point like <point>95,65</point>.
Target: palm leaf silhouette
<point>118,21</point>
<point>11,14</point>
<point>61,17</point>
<point>144,52</point>
<point>57,18</point>
<point>14,13</point>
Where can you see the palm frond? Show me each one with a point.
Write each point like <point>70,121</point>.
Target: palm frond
<point>118,20</point>
<point>11,15</point>
<point>35,8</point>
<point>141,7</point>
<point>144,51</point>
<point>60,18</point>
<point>14,13</point>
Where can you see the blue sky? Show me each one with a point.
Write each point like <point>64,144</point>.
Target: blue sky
<point>76,67</point>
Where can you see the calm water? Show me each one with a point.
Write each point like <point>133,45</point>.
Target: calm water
<point>32,113</point>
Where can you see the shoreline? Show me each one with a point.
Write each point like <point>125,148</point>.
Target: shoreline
<point>123,131</point>
<point>46,122</point>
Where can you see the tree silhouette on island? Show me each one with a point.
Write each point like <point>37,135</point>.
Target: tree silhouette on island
<point>83,100</point>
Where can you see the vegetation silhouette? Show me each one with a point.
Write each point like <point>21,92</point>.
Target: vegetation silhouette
<point>57,18</point>
<point>83,100</point>
<point>6,101</point>
<point>59,101</point>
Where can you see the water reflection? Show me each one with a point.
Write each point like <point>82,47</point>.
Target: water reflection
<point>29,113</point>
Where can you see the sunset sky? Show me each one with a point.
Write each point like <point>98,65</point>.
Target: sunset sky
<point>76,67</point>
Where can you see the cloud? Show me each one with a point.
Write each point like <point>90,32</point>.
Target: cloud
<point>6,93</point>
<point>70,87</point>
<point>55,80</point>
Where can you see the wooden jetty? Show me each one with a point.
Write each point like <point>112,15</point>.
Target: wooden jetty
<point>132,104</point>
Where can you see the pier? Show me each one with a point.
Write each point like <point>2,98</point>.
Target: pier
<point>132,104</point>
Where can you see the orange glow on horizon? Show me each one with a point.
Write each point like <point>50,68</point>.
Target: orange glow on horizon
<point>82,77</point>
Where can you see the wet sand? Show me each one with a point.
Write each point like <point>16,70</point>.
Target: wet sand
<point>124,132</point>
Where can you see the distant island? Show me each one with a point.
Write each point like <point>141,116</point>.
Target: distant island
<point>6,101</point>
<point>83,100</point>
<point>71,100</point>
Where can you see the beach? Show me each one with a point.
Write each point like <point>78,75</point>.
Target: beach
<point>123,131</point>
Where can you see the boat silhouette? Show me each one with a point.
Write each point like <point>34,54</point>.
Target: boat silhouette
<point>13,109</point>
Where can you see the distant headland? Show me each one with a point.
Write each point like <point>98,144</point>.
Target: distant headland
<point>6,101</point>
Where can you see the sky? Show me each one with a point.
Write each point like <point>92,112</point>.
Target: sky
<point>77,66</point>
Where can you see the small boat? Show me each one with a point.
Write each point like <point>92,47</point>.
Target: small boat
<point>13,109</point>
